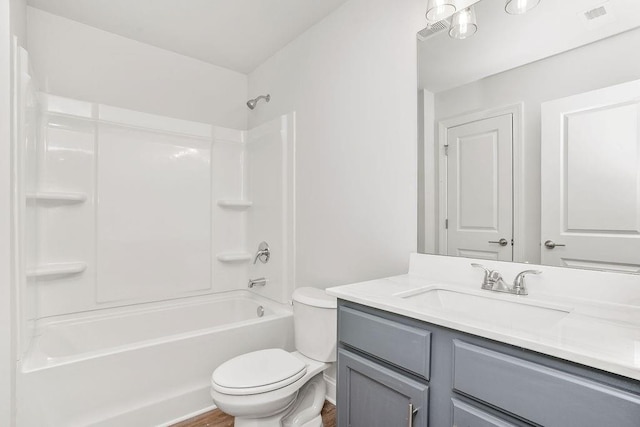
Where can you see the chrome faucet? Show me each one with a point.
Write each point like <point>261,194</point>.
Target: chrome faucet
<point>519,287</point>
<point>263,254</point>
<point>257,282</point>
<point>493,281</point>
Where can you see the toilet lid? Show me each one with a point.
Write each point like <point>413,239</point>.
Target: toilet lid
<point>314,297</point>
<point>258,372</point>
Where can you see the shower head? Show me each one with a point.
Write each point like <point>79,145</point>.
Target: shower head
<point>252,102</point>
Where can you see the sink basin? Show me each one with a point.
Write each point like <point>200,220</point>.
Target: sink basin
<point>500,311</point>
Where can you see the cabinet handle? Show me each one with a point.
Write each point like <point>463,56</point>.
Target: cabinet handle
<point>412,413</point>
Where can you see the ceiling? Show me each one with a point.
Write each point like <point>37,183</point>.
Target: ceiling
<point>504,41</point>
<point>235,34</point>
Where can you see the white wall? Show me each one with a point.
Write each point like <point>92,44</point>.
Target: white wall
<point>351,79</point>
<point>81,62</point>
<point>12,23</point>
<point>427,188</point>
<point>7,385</point>
<point>19,20</point>
<point>605,63</point>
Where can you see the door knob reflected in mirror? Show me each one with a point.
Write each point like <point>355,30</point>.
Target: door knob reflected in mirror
<point>501,242</point>
<point>549,244</point>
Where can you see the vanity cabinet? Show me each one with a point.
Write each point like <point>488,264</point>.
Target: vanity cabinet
<point>397,371</point>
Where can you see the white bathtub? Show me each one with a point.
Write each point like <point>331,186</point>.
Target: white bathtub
<point>141,366</point>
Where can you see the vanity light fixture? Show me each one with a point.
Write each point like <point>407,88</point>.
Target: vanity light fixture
<point>463,24</point>
<point>519,7</point>
<point>437,10</point>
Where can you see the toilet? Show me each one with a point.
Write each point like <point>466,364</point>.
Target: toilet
<point>276,388</point>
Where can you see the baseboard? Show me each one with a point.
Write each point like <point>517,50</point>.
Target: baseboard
<point>331,388</point>
<point>179,407</point>
<point>188,416</point>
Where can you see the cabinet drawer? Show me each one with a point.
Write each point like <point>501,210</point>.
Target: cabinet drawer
<point>465,415</point>
<point>538,393</point>
<point>405,346</point>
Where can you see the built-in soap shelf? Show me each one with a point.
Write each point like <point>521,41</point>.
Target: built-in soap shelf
<point>57,197</point>
<point>53,270</point>
<point>235,204</point>
<point>234,256</point>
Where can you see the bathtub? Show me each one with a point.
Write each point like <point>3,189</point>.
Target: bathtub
<point>142,365</point>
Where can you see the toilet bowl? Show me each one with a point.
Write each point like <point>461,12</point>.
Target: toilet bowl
<point>273,387</point>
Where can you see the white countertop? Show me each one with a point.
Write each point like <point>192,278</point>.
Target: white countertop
<point>604,334</point>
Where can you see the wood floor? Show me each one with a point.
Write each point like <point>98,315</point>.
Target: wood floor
<point>217,418</point>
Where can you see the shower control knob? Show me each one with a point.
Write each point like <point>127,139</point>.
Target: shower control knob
<point>263,254</point>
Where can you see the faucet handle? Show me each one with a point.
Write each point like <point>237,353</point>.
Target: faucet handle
<point>487,282</point>
<point>263,254</point>
<point>519,287</point>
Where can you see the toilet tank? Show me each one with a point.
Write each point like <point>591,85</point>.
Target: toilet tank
<point>315,323</point>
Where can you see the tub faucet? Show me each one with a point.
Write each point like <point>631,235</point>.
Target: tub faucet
<point>257,282</point>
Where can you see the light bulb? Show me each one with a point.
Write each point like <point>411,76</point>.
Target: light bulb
<point>437,10</point>
<point>463,24</point>
<point>518,7</point>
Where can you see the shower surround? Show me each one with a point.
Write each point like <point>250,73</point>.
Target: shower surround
<point>142,234</point>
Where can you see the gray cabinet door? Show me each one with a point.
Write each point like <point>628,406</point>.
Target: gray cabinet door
<point>370,395</point>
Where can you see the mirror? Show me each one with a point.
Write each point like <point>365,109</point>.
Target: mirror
<point>529,136</point>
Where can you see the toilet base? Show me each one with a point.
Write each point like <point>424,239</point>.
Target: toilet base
<point>304,412</point>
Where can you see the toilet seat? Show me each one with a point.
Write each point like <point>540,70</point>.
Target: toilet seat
<point>258,372</point>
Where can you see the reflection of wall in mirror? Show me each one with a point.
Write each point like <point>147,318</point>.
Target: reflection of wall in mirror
<point>604,63</point>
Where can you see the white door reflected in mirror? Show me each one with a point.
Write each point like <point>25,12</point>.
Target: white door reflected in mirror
<point>479,189</point>
<point>591,180</point>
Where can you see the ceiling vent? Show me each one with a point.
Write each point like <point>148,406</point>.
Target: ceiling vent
<point>434,29</point>
<point>598,16</point>
<point>595,13</point>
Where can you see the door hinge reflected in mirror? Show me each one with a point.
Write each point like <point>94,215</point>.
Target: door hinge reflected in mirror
<point>446,224</point>
<point>446,149</point>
